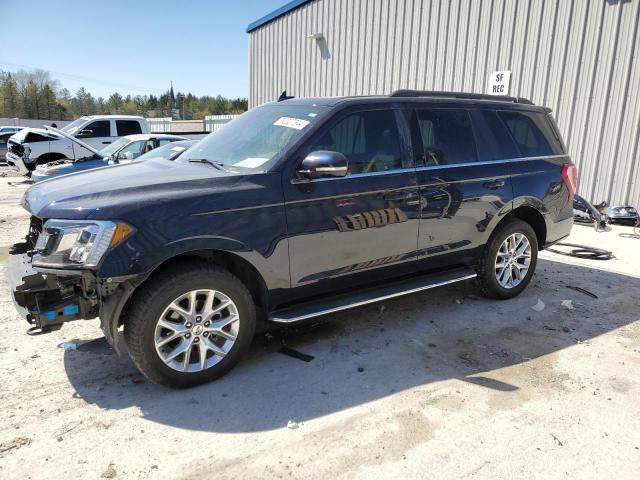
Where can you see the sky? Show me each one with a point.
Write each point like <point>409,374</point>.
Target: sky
<point>136,46</point>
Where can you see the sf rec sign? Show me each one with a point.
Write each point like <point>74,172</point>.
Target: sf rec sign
<point>499,83</point>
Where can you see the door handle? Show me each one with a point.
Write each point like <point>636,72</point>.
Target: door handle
<point>493,184</point>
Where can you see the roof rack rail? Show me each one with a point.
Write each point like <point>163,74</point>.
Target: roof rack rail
<point>468,96</point>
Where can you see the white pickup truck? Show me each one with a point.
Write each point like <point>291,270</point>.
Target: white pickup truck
<point>35,146</point>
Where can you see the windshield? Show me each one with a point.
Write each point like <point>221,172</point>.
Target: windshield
<point>114,147</point>
<point>73,126</point>
<point>255,137</point>
<point>170,151</point>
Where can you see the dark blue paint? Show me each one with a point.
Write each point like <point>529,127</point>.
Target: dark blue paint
<point>304,238</point>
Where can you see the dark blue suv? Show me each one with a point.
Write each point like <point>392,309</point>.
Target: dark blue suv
<point>296,209</point>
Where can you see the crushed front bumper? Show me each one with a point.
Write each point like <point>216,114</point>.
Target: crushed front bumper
<point>17,162</point>
<point>50,299</point>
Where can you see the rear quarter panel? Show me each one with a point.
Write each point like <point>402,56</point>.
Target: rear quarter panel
<point>537,183</point>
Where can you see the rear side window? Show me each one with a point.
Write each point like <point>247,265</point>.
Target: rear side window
<point>446,136</point>
<point>128,127</point>
<point>527,134</point>
<point>369,140</point>
<point>494,140</point>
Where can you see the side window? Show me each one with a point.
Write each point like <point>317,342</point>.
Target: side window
<point>446,136</point>
<point>527,135</point>
<point>494,140</point>
<point>164,141</point>
<point>369,140</point>
<point>99,128</point>
<point>133,150</point>
<point>127,127</point>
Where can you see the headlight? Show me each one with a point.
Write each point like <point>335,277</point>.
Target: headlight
<point>69,243</point>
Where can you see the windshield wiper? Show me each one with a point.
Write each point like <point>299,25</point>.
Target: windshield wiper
<point>217,165</point>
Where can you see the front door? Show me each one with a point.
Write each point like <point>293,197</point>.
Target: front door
<point>97,134</point>
<point>364,226</point>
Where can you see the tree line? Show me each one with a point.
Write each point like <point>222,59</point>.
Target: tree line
<point>36,95</point>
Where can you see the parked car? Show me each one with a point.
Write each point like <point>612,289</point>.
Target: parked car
<point>37,146</point>
<point>3,147</point>
<point>295,209</point>
<point>10,129</point>
<point>123,150</point>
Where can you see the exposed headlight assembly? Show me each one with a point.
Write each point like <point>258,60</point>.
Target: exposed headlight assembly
<point>77,244</point>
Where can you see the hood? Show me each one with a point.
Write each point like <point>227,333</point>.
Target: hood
<point>113,191</point>
<point>36,134</point>
<point>73,139</point>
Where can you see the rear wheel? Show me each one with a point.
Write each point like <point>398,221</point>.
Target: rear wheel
<point>189,325</point>
<point>509,260</point>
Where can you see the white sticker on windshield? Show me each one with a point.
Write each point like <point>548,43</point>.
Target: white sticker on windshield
<point>291,122</point>
<point>177,149</point>
<point>251,162</point>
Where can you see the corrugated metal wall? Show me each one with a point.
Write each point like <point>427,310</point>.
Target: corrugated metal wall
<point>581,58</point>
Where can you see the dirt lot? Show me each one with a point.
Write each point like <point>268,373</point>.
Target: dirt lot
<point>442,384</point>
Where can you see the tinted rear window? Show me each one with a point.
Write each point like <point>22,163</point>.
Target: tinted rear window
<point>446,136</point>
<point>527,134</point>
<point>493,138</point>
<point>128,127</point>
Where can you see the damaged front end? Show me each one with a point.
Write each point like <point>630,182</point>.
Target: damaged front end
<point>49,299</point>
<point>53,274</point>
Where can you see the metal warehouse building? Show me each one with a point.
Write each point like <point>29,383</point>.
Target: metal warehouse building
<point>580,58</point>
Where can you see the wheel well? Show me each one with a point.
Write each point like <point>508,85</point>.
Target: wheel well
<point>235,264</point>
<point>49,157</point>
<point>534,218</point>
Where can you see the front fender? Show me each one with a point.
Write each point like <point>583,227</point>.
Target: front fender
<point>127,260</point>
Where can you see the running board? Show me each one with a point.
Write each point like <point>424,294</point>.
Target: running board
<point>376,294</point>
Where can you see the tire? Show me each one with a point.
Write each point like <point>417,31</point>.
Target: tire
<point>487,281</point>
<point>143,332</point>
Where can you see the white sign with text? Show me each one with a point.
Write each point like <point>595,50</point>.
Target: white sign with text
<point>499,83</point>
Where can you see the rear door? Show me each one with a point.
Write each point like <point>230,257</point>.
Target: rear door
<point>361,227</point>
<point>127,127</point>
<point>462,190</point>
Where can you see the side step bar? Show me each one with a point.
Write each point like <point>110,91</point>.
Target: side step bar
<point>375,294</point>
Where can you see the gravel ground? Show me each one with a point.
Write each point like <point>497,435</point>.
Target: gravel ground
<point>443,384</point>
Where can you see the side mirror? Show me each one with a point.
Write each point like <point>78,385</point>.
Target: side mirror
<point>323,163</point>
<point>85,133</point>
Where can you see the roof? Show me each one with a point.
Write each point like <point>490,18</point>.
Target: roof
<point>283,10</point>
<point>93,117</point>
<point>454,98</point>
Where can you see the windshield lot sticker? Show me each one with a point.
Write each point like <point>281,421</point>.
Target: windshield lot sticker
<point>251,162</point>
<point>290,122</point>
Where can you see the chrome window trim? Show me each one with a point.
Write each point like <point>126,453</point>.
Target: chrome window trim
<point>296,181</point>
<point>489,162</point>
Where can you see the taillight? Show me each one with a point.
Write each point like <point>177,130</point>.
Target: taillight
<point>570,178</point>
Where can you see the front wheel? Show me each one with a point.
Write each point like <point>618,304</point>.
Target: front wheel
<point>508,261</point>
<point>189,325</point>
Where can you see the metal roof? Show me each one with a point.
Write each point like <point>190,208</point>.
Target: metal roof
<point>275,14</point>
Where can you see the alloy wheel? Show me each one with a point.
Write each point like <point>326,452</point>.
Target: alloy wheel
<point>513,260</point>
<point>197,330</point>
